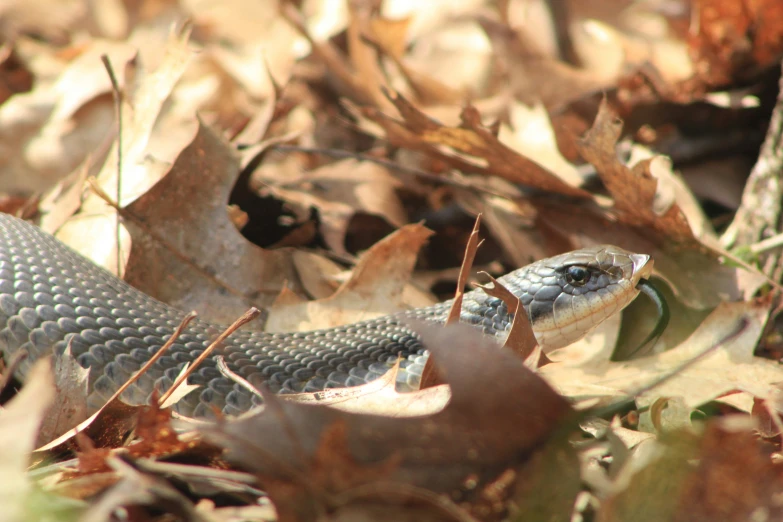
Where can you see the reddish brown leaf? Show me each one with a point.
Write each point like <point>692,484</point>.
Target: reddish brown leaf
<point>471,138</point>
<point>633,189</point>
<point>477,435</point>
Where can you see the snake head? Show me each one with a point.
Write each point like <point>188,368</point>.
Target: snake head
<point>567,296</point>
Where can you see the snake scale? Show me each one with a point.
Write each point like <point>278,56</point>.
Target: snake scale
<point>51,297</point>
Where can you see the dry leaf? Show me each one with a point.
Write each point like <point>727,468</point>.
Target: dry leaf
<point>94,232</point>
<point>375,288</point>
<point>186,251</point>
<point>715,360</point>
<point>471,147</point>
<point>20,420</point>
<point>339,192</point>
<point>733,478</point>
<point>634,189</point>
<point>379,397</point>
<point>69,407</point>
<point>476,436</point>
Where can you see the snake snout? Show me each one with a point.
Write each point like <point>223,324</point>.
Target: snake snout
<point>642,266</point>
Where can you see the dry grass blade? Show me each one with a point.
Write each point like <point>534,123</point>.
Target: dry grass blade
<point>244,319</point>
<point>118,100</point>
<point>163,349</point>
<point>226,371</point>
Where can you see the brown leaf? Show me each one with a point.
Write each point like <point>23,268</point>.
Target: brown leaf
<point>376,287</point>
<point>390,38</point>
<point>347,79</point>
<point>429,376</point>
<point>49,131</point>
<point>634,189</point>
<point>471,147</point>
<point>715,360</point>
<point>733,478</point>
<point>380,397</point>
<point>157,437</point>
<point>70,403</point>
<point>521,340</point>
<point>134,489</point>
<point>339,191</point>
<point>93,232</point>
<point>734,39</point>
<point>535,77</point>
<point>475,437</point>
<point>106,428</point>
<point>187,252</point>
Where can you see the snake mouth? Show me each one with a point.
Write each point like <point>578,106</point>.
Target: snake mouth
<point>642,267</point>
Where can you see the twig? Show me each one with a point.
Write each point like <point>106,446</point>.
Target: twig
<point>117,95</point>
<point>245,318</point>
<point>226,371</point>
<point>163,349</point>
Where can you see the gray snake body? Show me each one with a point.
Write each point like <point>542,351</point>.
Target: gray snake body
<point>51,297</point>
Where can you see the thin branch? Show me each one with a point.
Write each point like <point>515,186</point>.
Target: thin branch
<point>245,318</point>
<point>233,376</point>
<point>117,94</point>
<point>163,349</point>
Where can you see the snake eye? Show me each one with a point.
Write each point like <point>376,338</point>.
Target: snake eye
<point>577,275</point>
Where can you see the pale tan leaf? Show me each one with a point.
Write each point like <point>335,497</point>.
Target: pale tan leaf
<point>375,288</point>
<point>70,403</point>
<point>379,397</point>
<point>20,420</point>
<point>716,359</point>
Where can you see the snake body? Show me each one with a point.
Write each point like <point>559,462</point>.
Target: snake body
<point>52,297</point>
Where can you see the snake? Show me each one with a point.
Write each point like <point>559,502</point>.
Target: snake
<point>53,299</point>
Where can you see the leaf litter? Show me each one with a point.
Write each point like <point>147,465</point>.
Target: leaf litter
<point>554,124</point>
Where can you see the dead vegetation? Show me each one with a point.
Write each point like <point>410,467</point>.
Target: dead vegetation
<point>324,162</point>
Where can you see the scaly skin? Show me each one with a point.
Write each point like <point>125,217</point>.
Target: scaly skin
<point>50,297</point>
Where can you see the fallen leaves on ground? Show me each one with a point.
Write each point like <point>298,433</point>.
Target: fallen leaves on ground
<point>20,421</point>
<point>186,249</point>
<point>325,160</point>
<point>377,286</point>
<point>734,479</point>
<point>717,359</point>
<point>476,435</point>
